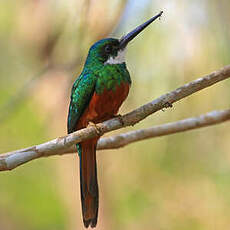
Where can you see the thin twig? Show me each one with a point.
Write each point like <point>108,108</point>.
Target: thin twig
<point>121,140</point>
<point>62,144</point>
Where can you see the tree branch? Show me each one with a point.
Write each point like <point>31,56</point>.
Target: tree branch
<point>121,140</point>
<point>62,145</point>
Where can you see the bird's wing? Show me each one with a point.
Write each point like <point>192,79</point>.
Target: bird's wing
<point>82,91</point>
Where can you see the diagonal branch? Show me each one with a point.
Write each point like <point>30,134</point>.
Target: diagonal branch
<point>62,144</point>
<point>121,140</point>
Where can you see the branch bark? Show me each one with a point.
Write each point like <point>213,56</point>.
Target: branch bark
<point>121,140</point>
<point>62,145</point>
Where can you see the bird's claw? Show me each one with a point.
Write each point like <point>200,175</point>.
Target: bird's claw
<point>91,124</point>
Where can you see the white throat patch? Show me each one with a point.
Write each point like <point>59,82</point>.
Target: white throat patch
<point>120,58</point>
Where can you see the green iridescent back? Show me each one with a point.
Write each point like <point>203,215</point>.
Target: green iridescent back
<point>95,77</point>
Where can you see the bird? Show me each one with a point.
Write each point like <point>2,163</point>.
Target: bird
<point>96,96</point>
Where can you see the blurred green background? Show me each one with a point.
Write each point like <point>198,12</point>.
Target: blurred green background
<point>178,182</point>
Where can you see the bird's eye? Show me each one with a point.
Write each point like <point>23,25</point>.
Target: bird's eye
<point>108,49</point>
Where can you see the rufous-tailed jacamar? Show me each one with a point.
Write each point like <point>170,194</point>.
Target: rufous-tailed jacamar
<point>96,96</point>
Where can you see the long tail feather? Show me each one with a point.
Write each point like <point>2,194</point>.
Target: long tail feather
<point>88,180</point>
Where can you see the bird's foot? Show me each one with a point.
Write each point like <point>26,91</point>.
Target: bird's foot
<point>119,116</point>
<point>91,124</point>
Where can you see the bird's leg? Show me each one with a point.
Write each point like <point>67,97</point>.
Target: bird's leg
<point>91,124</point>
<point>119,116</point>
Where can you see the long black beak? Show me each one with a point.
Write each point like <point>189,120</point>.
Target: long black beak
<point>127,38</point>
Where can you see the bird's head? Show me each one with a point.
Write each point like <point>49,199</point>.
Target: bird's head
<point>107,51</point>
<point>111,51</point>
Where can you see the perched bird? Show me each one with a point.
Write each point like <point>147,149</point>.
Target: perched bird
<point>96,96</point>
